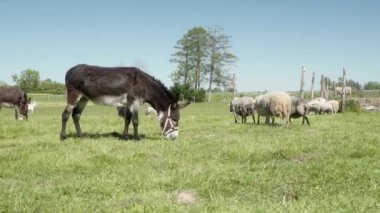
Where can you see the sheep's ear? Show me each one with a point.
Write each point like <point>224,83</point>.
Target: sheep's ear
<point>29,100</point>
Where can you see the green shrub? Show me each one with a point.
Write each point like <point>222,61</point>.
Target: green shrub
<point>351,105</point>
<point>186,93</point>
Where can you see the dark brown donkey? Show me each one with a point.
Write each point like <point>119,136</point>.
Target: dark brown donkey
<point>13,97</point>
<point>126,87</point>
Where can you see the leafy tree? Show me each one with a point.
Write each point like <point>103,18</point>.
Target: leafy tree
<point>372,85</point>
<point>29,80</point>
<point>191,55</point>
<point>202,55</point>
<point>219,44</point>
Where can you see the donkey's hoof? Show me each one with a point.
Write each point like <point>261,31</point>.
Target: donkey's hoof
<point>63,137</point>
<point>125,137</point>
<point>80,135</point>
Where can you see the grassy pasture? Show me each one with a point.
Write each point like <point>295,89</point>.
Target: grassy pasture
<point>334,165</point>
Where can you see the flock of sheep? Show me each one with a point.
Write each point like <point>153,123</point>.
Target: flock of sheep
<point>279,104</point>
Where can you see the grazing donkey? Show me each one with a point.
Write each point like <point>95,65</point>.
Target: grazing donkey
<point>122,87</point>
<point>13,97</point>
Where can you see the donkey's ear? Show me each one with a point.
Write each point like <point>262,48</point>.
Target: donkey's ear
<point>183,105</point>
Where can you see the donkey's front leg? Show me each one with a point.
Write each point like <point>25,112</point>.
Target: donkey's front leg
<point>135,121</point>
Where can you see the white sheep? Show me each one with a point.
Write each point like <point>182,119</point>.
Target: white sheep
<point>150,110</point>
<point>315,105</point>
<point>243,106</point>
<point>31,107</point>
<point>335,106</point>
<point>274,104</point>
<point>346,90</point>
<point>326,108</point>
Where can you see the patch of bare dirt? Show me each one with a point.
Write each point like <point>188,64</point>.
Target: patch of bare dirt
<point>186,197</point>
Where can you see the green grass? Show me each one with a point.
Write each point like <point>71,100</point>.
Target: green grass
<point>334,165</point>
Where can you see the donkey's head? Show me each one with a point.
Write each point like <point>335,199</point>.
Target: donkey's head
<point>169,120</point>
<point>23,108</point>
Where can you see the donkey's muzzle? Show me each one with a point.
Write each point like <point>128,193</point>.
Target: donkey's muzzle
<point>172,135</point>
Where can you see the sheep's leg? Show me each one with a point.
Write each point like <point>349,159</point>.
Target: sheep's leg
<point>243,119</point>
<point>233,112</point>
<point>307,120</point>
<point>253,117</point>
<point>267,120</point>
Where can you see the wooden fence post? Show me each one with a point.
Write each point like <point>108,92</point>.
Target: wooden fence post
<point>326,89</point>
<point>322,86</point>
<point>334,87</point>
<point>343,93</point>
<point>302,93</point>
<point>312,86</point>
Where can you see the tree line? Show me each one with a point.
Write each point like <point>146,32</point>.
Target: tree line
<point>29,80</point>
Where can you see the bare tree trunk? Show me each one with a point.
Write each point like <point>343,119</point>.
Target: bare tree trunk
<point>186,69</point>
<point>312,86</point>
<point>234,84</point>
<point>198,76</point>
<point>343,90</point>
<point>210,83</point>
<point>302,92</point>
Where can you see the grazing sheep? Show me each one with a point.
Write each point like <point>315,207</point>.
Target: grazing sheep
<point>335,106</point>
<point>243,106</point>
<point>346,90</point>
<point>326,108</point>
<point>274,104</point>
<point>315,105</point>
<point>31,107</point>
<point>298,110</point>
<point>150,110</point>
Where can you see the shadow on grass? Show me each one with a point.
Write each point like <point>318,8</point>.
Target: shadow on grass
<point>116,135</point>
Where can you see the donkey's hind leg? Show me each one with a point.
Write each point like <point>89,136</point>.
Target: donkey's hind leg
<point>73,97</point>
<point>127,120</point>
<point>77,112</point>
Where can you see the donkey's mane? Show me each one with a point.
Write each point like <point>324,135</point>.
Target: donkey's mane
<point>166,90</point>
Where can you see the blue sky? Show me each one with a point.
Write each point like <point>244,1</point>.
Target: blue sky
<point>272,39</point>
